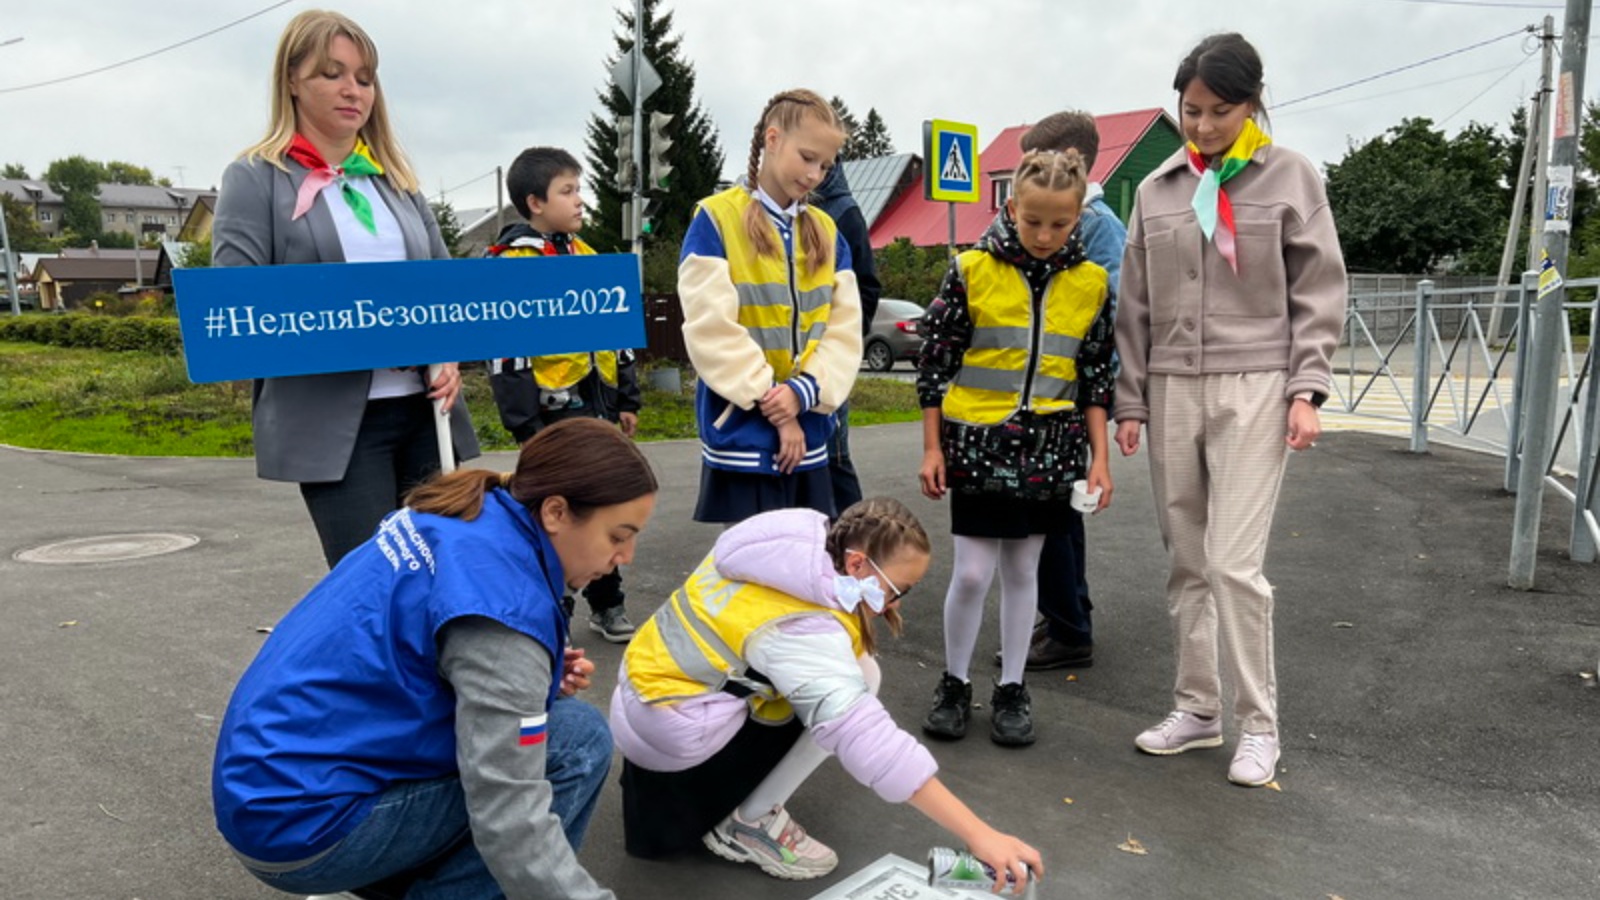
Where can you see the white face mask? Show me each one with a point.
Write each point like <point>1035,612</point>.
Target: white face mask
<point>851,591</point>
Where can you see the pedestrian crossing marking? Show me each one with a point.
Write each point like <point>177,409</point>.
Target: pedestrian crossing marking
<point>955,168</point>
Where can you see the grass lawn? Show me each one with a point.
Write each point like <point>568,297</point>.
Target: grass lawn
<point>143,404</point>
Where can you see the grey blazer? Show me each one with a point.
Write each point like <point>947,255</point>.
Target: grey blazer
<point>305,426</point>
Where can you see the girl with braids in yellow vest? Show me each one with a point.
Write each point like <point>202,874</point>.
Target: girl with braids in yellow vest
<point>758,669</point>
<point>1015,377</point>
<point>772,320</point>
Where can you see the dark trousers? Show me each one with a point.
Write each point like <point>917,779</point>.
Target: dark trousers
<point>605,592</point>
<point>396,450</point>
<point>846,486</point>
<point>1064,585</point>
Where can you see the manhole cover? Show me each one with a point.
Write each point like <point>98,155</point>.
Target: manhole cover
<point>107,548</point>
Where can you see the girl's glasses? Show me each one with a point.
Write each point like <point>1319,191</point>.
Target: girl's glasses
<point>876,568</point>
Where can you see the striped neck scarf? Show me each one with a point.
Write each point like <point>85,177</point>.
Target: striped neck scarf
<point>1211,205</point>
<point>359,162</point>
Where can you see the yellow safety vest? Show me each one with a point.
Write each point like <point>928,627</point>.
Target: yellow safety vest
<point>694,644</point>
<point>1015,362</point>
<point>784,309</point>
<point>564,370</point>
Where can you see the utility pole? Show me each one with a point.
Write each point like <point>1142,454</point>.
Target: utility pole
<point>1533,145</point>
<point>639,62</point>
<point>1555,227</point>
<point>10,265</point>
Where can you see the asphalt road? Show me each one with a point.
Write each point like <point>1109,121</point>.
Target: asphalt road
<point>1439,729</point>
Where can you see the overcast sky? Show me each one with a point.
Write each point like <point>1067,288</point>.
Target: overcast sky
<point>469,84</point>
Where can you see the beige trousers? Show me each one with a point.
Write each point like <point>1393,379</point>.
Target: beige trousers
<point>1217,455</point>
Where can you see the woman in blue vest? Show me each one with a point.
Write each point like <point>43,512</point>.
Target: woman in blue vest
<point>411,716</point>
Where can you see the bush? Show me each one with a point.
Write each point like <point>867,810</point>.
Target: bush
<point>151,335</point>
<point>911,273</point>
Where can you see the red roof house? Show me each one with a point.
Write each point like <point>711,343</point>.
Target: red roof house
<point>1132,144</point>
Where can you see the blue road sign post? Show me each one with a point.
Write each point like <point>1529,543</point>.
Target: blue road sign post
<point>950,150</point>
<point>273,321</point>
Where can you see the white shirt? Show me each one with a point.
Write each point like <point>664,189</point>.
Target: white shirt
<point>361,245</point>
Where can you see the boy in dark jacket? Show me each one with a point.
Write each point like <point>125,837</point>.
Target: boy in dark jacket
<point>535,392</point>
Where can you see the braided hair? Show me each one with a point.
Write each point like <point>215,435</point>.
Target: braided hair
<point>880,527</point>
<point>1052,170</point>
<point>785,111</point>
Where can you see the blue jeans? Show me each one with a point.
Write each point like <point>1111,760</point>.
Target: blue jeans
<point>413,823</point>
<point>1064,585</point>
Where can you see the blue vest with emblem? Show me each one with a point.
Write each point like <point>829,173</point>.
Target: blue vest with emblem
<point>345,700</point>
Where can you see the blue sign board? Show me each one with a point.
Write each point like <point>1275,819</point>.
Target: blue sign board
<point>268,321</point>
<point>951,149</point>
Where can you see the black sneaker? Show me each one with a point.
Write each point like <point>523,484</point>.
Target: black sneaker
<point>1011,710</point>
<point>612,624</point>
<point>952,706</point>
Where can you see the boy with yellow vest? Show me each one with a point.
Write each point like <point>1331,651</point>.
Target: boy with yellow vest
<point>535,392</point>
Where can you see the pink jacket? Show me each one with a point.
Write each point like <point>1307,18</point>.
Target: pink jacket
<point>809,660</point>
<point>1183,311</point>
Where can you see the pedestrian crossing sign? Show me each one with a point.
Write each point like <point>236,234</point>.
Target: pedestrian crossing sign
<point>951,152</point>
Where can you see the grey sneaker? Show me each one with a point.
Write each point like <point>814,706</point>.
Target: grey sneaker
<point>1255,763</point>
<point>1178,732</point>
<point>775,843</point>
<point>612,624</point>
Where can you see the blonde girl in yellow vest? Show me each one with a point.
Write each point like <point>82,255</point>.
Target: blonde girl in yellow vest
<point>1015,376</point>
<point>772,320</point>
<point>760,667</point>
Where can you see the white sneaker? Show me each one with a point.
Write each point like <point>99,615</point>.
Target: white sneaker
<point>1178,732</point>
<point>1256,761</point>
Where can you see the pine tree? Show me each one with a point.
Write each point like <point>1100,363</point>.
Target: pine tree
<point>873,137</point>
<point>851,127</point>
<point>696,156</point>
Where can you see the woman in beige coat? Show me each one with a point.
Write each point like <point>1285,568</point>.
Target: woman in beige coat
<point>1233,297</point>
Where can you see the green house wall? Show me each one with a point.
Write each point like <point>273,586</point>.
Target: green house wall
<point>1159,142</point>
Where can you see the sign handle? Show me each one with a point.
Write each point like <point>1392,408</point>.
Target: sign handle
<point>441,426</point>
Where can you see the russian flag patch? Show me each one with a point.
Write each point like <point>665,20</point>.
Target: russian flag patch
<point>532,730</point>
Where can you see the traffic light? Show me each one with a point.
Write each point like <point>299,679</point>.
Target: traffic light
<point>627,166</point>
<point>647,217</point>
<point>660,169</point>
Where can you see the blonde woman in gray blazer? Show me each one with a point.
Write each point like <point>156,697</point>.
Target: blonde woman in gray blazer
<point>354,441</point>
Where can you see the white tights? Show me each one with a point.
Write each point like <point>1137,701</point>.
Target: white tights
<point>798,764</point>
<point>972,572</point>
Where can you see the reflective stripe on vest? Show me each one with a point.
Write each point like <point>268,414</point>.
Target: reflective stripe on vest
<point>783,308</point>
<point>1001,371</point>
<point>694,643</point>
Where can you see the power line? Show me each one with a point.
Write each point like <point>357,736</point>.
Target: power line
<point>1520,63</point>
<point>1385,74</point>
<point>470,181</point>
<point>143,56</point>
<point>1405,90</point>
<point>1486,3</point>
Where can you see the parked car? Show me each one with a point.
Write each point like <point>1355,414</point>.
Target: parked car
<point>894,334</point>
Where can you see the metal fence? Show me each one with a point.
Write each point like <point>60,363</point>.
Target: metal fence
<point>1425,357</point>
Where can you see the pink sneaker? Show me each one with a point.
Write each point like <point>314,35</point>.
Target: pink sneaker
<point>1178,732</point>
<point>775,843</point>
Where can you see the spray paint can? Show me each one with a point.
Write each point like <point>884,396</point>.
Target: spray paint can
<point>949,868</point>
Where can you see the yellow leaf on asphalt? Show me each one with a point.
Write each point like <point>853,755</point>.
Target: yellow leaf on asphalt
<point>68,624</point>
<point>1072,678</point>
<point>1275,786</point>
<point>1067,800</point>
<point>1132,845</point>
